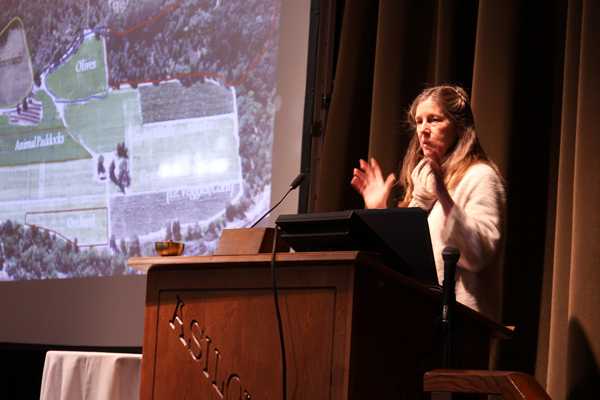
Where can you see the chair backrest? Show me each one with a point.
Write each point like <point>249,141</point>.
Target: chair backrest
<point>509,384</point>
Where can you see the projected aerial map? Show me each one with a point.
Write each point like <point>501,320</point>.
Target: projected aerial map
<point>125,122</point>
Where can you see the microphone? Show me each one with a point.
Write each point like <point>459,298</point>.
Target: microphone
<point>451,256</point>
<point>295,183</point>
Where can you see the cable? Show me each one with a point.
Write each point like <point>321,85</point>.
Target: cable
<point>278,316</point>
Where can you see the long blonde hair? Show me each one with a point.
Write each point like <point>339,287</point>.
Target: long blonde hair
<point>466,151</point>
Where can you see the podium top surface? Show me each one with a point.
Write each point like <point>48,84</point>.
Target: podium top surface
<point>144,263</point>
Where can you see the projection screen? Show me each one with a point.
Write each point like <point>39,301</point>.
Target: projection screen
<point>126,122</point>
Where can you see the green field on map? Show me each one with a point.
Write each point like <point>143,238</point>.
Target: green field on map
<point>89,226</point>
<point>101,124</point>
<point>11,136</point>
<point>186,153</point>
<point>83,75</point>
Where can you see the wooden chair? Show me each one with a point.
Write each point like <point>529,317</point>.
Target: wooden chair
<point>508,384</point>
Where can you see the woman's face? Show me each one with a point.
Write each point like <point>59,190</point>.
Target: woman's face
<point>435,131</point>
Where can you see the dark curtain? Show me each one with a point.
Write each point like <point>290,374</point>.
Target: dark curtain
<point>533,72</point>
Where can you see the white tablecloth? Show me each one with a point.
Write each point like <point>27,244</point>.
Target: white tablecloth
<point>72,375</point>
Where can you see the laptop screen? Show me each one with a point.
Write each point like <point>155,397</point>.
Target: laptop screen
<point>400,235</point>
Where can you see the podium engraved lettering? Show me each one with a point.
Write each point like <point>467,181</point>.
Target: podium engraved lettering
<point>230,386</point>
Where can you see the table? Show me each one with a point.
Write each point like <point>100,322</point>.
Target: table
<point>73,375</point>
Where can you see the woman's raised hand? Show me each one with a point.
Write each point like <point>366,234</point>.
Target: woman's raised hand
<point>369,182</point>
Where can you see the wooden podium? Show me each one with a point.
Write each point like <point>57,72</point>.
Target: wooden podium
<point>353,328</point>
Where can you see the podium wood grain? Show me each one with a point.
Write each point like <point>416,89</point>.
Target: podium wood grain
<point>353,328</point>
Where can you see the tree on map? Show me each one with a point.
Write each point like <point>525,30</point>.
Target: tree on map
<point>122,151</point>
<point>28,253</point>
<point>169,232</point>
<point>176,231</point>
<point>230,212</point>
<point>135,248</point>
<point>123,247</point>
<point>68,246</point>
<point>212,232</point>
<point>100,170</point>
<point>120,177</point>
<point>1,255</point>
<point>112,243</point>
<point>123,179</point>
<point>117,266</point>
<point>190,234</point>
<point>46,239</point>
<point>111,173</point>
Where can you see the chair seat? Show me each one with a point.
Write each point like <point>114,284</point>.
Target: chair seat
<point>509,384</point>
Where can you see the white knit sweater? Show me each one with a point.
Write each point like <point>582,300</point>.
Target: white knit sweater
<point>475,226</point>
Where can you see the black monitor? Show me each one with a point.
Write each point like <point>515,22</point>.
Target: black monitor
<point>400,235</point>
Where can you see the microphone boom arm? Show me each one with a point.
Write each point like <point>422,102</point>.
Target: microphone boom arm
<point>295,183</point>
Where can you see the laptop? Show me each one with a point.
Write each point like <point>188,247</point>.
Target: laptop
<point>400,235</point>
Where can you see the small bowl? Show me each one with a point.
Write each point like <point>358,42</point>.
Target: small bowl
<point>169,248</point>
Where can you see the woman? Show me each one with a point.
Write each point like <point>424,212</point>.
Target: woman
<point>447,173</point>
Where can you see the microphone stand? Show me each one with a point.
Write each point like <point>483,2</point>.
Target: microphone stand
<point>295,183</point>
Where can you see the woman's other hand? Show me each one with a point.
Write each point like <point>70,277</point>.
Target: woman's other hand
<point>441,192</point>
<point>368,181</point>
<point>424,181</point>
